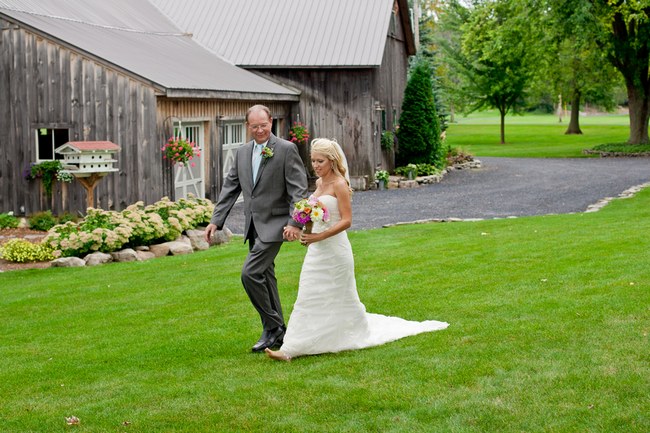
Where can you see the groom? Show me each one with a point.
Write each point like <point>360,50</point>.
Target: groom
<point>270,174</point>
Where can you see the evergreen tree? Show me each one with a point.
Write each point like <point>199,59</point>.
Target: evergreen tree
<point>419,128</point>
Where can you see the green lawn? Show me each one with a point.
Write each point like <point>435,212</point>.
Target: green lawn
<point>534,136</point>
<point>549,321</point>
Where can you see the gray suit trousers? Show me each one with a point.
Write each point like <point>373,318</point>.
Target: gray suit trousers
<point>258,278</point>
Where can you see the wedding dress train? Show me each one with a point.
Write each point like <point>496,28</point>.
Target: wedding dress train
<point>328,315</point>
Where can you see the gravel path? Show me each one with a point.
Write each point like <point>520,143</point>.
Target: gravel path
<point>502,187</point>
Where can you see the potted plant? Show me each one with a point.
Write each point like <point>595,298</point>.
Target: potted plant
<point>48,172</point>
<point>387,140</point>
<point>381,176</point>
<point>412,171</point>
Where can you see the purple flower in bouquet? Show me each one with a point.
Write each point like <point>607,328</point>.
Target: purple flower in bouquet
<point>309,210</point>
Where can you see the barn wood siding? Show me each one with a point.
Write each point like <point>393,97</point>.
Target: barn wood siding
<point>343,104</point>
<point>335,104</point>
<point>389,82</point>
<point>346,104</point>
<point>47,85</point>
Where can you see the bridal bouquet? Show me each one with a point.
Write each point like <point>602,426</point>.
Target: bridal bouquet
<point>309,210</point>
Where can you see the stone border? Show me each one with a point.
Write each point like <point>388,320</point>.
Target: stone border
<point>628,193</point>
<point>604,154</point>
<point>396,182</point>
<point>192,240</point>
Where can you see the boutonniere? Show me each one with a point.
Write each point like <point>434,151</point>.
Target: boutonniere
<point>267,152</point>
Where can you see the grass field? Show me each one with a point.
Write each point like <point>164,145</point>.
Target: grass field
<point>549,321</point>
<point>535,136</point>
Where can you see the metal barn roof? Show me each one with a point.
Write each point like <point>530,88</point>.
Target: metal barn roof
<point>287,33</point>
<point>88,146</point>
<point>136,36</point>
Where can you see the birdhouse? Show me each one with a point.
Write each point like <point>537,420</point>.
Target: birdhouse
<point>88,161</point>
<point>84,158</point>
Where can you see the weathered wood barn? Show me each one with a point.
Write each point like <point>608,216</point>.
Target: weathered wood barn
<point>136,72</point>
<point>349,59</point>
<point>117,71</point>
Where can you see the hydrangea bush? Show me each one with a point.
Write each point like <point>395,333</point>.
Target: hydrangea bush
<point>136,225</point>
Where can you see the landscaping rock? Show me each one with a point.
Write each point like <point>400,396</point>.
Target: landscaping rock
<point>197,240</point>
<point>177,248</point>
<point>97,258</point>
<point>68,262</point>
<point>408,184</point>
<point>125,255</point>
<point>145,255</point>
<point>221,237</point>
<point>159,250</point>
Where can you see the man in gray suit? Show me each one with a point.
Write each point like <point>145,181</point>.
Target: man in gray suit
<point>270,174</point>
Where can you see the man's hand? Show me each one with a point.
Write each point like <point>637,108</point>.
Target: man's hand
<point>209,232</point>
<point>291,233</point>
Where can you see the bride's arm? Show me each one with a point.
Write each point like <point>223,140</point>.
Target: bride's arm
<point>342,194</point>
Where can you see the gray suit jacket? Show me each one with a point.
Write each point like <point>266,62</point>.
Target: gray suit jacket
<point>281,182</point>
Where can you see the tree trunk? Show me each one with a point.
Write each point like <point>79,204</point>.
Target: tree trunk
<point>503,126</point>
<point>632,57</point>
<point>574,122</point>
<point>638,106</point>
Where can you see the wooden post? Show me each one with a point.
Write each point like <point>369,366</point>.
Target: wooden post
<point>89,183</point>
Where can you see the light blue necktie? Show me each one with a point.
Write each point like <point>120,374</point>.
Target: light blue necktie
<point>257,158</point>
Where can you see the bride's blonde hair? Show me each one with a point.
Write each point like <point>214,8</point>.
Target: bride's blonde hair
<point>332,150</point>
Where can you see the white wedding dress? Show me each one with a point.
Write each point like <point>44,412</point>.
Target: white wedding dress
<point>328,315</point>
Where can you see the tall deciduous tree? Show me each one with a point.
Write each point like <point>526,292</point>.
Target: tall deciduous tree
<point>622,28</point>
<point>496,58</point>
<point>419,129</point>
<point>576,64</point>
<point>448,36</point>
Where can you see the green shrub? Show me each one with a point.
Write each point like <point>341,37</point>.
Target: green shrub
<point>419,126</point>
<point>42,221</point>
<point>405,170</point>
<point>621,149</point>
<point>420,170</point>
<point>21,250</point>
<point>65,217</point>
<point>8,221</point>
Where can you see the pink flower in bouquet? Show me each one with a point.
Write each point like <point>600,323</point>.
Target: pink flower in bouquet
<point>310,210</point>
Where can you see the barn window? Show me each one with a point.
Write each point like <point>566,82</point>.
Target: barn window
<point>49,139</point>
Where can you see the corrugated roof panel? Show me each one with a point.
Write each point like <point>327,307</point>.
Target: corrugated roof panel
<point>146,43</point>
<point>308,33</point>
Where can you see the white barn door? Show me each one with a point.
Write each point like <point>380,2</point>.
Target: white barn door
<point>189,179</point>
<point>233,137</point>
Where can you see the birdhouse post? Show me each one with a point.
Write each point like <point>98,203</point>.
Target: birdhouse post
<point>88,162</point>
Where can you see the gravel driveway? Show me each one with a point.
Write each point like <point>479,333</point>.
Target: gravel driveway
<point>502,187</point>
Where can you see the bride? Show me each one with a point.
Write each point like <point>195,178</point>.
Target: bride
<point>328,315</point>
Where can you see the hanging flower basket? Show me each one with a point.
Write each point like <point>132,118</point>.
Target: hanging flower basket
<point>299,133</point>
<point>180,151</point>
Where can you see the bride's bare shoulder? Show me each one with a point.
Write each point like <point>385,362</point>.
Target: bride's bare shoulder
<point>341,188</point>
